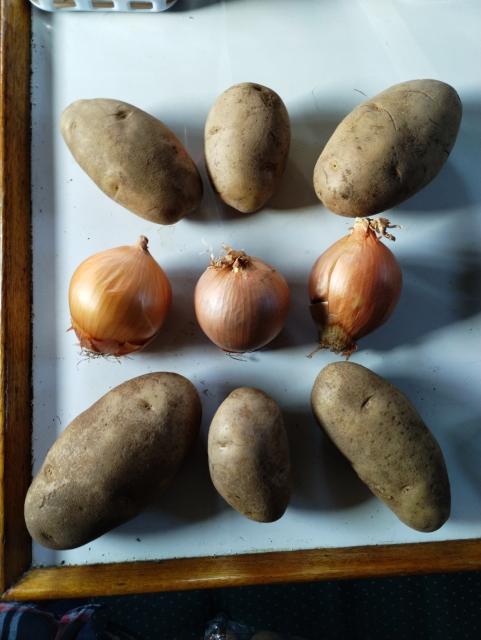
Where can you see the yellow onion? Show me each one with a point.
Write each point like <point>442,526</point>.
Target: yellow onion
<point>241,303</point>
<point>354,286</point>
<point>119,299</point>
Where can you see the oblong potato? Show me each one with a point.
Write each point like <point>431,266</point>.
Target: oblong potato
<point>249,459</point>
<point>384,438</point>
<point>110,460</point>
<point>388,148</point>
<point>133,157</point>
<point>247,138</point>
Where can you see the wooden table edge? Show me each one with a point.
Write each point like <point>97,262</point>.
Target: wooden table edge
<point>16,284</point>
<point>247,569</point>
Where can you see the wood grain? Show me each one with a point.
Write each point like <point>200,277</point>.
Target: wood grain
<point>263,568</point>
<point>15,298</point>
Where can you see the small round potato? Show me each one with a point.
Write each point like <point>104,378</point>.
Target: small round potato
<point>247,138</point>
<point>388,148</point>
<point>249,458</point>
<point>133,157</point>
<point>107,464</point>
<point>384,438</point>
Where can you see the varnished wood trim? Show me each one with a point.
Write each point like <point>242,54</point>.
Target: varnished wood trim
<point>15,300</point>
<point>263,568</point>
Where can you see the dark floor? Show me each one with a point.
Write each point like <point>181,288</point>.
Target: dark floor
<point>444,607</point>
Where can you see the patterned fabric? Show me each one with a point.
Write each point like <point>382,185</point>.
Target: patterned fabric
<point>29,622</point>
<point>25,621</point>
<point>74,621</point>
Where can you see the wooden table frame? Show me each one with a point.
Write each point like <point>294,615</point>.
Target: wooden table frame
<point>18,580</point>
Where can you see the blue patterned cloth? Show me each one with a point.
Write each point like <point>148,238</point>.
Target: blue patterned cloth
<point>29,622</point>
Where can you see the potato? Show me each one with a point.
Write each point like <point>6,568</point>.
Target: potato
<point>388,148</point>
<point>107,464</point>
<point>248,452</point>
<point>134,158</point>
<point>247,137</point>
<point>384,438</point>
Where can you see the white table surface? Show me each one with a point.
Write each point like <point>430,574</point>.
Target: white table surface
<point>320,56</point>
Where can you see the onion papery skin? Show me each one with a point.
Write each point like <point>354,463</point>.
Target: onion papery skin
<point>119,299</point>
<point>241,306</point>
<point>354,287</point>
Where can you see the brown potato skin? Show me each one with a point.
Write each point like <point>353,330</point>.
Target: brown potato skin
<point>110,460</point>
<point>133,157</point>
<point>385,439</point>
<point>388,148</point>
<point>249,459</point>
<point>247,138</point>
